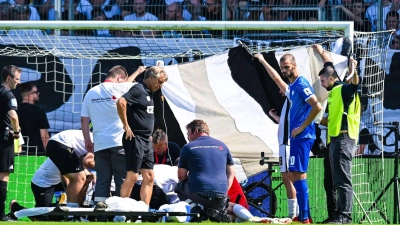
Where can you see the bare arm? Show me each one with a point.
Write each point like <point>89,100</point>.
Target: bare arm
<point>351,15</point>
<point>315,108</point>
<point>86,133</point>
<point>14,122</point>
<point>230,174</point>
<point>44,134</point>
<point>182,174</point>
<point>274,115</point>
<point>272,73</point>
<point>318,49</point>
<point>133,76</point>
<point>121,107</point>
<point>353,64</point>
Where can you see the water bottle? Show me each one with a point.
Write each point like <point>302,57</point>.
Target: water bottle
<point>57,196</point>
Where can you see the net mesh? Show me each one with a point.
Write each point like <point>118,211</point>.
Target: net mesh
<point>65,67</point>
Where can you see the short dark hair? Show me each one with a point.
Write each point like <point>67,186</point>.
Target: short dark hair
<point>9,70</point>
<point>117,70</point>
<point>198,125</point>
<point>328,71</point>
<point>159,135</point>
<point>26,87</point>
<point>392,14</point>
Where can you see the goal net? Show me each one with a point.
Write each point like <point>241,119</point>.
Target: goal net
<point>211,76</point>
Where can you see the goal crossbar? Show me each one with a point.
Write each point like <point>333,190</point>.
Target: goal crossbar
<point>346,26</point>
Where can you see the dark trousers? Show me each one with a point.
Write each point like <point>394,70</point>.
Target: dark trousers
<point>220,204</point>
<point>341,154</point>
<point>330,189</point>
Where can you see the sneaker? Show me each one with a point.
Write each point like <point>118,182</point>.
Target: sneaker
<point>217,216</point>
<point>7,219</point>
<point>307,221</point>
<point>11,205</point>
<point>100,206</point>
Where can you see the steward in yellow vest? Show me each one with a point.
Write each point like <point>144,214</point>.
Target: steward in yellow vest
<point>343,124</point>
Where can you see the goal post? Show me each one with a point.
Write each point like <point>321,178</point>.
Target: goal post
<point>66,66</point>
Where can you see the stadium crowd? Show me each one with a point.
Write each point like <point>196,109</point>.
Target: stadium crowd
<point>364,13</point>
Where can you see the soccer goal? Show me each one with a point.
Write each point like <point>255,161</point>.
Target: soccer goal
<point>67,58</point>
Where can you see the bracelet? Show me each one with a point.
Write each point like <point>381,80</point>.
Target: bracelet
<point>17,131</point>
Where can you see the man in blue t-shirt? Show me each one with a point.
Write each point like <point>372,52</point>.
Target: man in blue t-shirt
<point>206,171</point>
<point>304,108</point>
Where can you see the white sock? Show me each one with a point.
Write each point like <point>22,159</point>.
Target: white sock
<point>72,204</point>
<point>241,212</point>
<point>292,207</point>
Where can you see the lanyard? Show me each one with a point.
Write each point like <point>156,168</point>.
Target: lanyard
<point>163,160</point>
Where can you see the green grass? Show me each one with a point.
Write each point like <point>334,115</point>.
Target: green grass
<point>95,223</point>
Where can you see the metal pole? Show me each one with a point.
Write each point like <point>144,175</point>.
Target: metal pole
<point>71,13</point>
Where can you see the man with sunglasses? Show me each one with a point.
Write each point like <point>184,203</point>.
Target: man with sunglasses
<point>136,111</point>
<point>99,106</point>
<point>33,120</point>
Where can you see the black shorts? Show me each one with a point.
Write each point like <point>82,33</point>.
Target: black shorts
<point>63,157</point>
<point>7,155</point>
<point>158,197</point>
<point>138,153</point>
<point>44,196</point>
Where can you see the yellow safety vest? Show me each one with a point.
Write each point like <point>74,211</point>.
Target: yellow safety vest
<point>336,111</point>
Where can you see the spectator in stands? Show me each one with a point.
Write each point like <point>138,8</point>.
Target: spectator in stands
<point>172,12</point>
<point>140,14</point>
<point>34,13</point>
<point>392,22</point>
<point>211,158</point>
<point>193,10</point>
<point>214,10</point>
<point>48,179</point>
<point>355,12</point>
<point>33,120</point>
<point>165,152</point>
<point>23,12</point>
<point>372,14</point>
<point>108,129</point>
<point>82,10</point>
<point>114,7</point>
<point>5,12</point>
<point>395,43</point>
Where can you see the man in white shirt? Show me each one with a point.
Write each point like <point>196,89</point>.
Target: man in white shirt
<point>47,180</point>
<point>140,14</point>
<point>99,105</point>
<point>65,149</point>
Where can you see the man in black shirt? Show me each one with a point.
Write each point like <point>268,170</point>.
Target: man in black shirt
<point>33,120</point>
<point>10,130</point>
<point>165,152</point>
<point>138,122</point>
